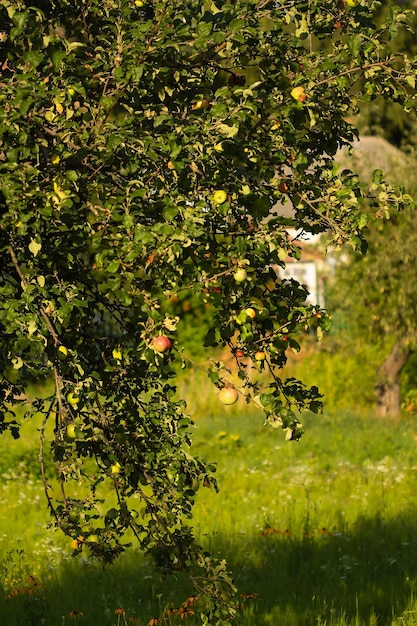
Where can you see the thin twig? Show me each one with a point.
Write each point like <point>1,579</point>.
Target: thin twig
<point>46,486</point>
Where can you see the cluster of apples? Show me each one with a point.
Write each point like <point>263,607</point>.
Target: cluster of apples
<point>229,395</point>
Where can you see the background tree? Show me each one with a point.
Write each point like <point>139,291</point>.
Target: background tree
<point>372,294</point>
<point>143,148</point>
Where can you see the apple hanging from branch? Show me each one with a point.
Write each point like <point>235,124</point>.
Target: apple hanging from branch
<point>71,431</point>
<point>219,196</point>
<point>240,275</point>
<point>228,395</point>
<point>162,344</point>
<point>298,94</point>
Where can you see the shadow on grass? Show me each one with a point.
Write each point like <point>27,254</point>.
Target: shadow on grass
<point>366,575</point>
<point>80,591</point>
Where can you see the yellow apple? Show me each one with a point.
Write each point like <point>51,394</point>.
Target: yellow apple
<point>219,196</point>
<point>117,354</point>
<point>73,398</point>
<point>62,352</point>
<point>115,469</point>
<point>250,312</point>
<point>260,355</point>
<point>228,395</point>
<point>298,93</point>
<point>240,275</point>
<point>71,431</point>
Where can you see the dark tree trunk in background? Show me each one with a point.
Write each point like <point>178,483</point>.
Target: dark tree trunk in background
<point>387,388</point>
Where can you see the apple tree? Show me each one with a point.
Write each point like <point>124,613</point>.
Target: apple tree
<point>145,149</point>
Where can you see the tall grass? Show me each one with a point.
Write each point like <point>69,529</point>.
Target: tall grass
<point>318,532</point>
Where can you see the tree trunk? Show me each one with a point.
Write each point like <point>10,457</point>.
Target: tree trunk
<point>387,388</point>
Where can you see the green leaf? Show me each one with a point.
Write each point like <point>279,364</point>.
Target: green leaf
<point>228,131</point>
<point>411,80</point>
<point>355,45</point>
<point>113,266</point>
<point>204,29</point>
<point>210,338</point>
<point>169,213</point>
<point>57,58</point>
<point>33,58</point>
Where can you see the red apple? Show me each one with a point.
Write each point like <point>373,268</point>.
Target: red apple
<point>161,343</point>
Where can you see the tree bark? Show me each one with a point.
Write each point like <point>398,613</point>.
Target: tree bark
<point>387,388</point>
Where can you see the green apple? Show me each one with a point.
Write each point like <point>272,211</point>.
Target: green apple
<point>73,517</point>
<point>219,196</point>
<point>262,313</point>
<point>195,485</point>
<point>240,275</point>
<point>93,539</point>
<point>228,395</point>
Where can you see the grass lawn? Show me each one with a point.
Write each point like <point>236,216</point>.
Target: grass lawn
<point>322,531</point>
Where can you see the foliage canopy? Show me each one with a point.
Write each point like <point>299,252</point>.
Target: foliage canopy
<point>143,149</point>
